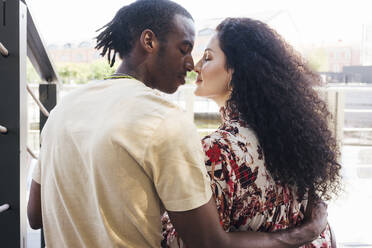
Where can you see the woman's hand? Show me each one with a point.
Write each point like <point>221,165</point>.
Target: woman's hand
<point>316,216</point>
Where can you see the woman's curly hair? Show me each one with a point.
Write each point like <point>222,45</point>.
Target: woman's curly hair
<point>272,88</point>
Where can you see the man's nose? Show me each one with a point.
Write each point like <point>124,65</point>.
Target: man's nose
<point>189,64</point>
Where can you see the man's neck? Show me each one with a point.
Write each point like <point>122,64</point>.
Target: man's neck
<point>137,71</point>
<point>127,69</point>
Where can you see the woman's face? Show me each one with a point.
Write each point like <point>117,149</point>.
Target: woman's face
<point>213,77</point>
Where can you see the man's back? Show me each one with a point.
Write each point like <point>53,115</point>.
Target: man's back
<point>99,166</point>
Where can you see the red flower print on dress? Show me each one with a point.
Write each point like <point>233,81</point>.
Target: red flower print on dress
<point>214,153</point>
<point>246,195</point>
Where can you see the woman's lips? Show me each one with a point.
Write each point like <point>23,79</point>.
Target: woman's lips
<point>199,81</point>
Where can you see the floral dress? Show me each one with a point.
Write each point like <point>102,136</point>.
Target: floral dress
<point>247,197</point>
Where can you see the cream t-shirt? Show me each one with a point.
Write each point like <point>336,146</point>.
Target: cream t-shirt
<point>113,155</point>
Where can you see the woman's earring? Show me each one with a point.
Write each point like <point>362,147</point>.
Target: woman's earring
<point>229,86</point>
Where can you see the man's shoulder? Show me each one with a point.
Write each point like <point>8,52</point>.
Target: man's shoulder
<point>157,101</point>
<point>154,103</point>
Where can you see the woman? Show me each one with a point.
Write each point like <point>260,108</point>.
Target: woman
<point>274,146</point>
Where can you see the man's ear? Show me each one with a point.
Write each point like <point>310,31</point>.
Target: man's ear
<point>148,41</point>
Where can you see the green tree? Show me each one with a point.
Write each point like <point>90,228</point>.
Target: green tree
<point>75,73</point>
<point>191,77</point>
<point>81,73</point>
<point>101,69</point>
<point>318,59</point>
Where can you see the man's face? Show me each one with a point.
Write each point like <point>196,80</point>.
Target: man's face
<point>174,60</point>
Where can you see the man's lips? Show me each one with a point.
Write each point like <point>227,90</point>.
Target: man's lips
<point>199,80</point>
<point>182,79</point>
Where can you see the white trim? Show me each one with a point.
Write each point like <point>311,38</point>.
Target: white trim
<point>358,110</point>
<point>357,129</point>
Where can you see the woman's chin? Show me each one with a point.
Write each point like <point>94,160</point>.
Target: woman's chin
<point>202,92</point>
<point>197,92</point>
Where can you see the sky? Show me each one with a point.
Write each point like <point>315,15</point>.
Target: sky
<point>300,21</point>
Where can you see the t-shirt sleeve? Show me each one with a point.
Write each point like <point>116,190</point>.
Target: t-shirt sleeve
<point>174,161</point>
<point>36,173</point>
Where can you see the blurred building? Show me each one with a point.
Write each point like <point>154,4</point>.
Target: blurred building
<point>340,55</point>
<point>348,63</point>
<point>83,52</point>
<point>281,21</point>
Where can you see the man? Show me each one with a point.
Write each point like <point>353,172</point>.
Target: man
<point>115,155</point>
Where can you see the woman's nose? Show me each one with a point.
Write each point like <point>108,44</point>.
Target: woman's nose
<point>197,67</point>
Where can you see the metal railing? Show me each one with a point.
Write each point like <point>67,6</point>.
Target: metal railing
<point>366,110</point>
<point>334,94</point>
<point>336,97</point>
<point>19,38</point>
<point>41,106</point>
